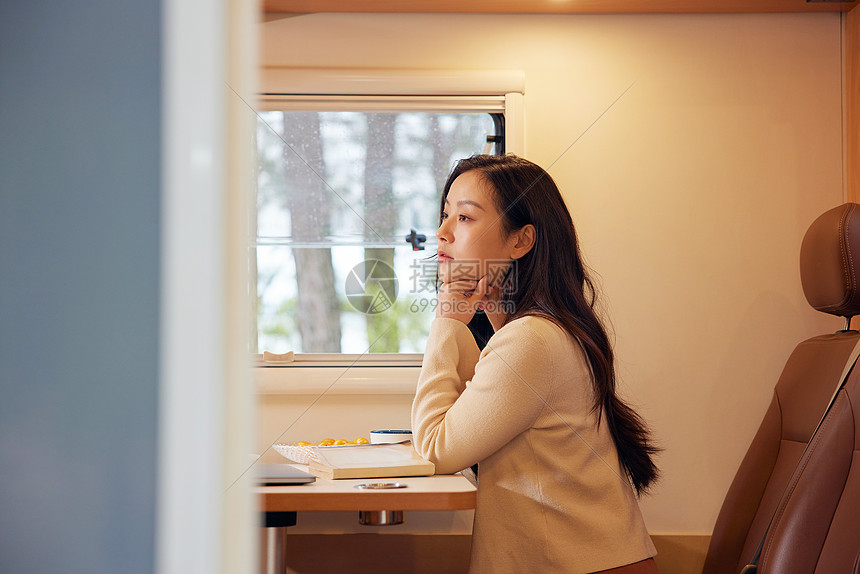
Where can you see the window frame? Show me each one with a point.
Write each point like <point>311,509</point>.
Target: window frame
<point>369,90</point>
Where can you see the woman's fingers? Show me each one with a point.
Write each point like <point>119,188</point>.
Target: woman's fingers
<point>480,290</point>
<point>465,287</point>
<point>460,299</point>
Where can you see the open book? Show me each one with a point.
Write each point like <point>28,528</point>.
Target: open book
<point>370,461</point>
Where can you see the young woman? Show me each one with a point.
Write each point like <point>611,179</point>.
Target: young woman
<point>561,458</point>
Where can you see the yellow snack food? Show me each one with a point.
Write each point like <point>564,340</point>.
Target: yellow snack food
<point>334,442</point>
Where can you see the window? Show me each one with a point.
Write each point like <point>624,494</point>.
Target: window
<point>345,192</point>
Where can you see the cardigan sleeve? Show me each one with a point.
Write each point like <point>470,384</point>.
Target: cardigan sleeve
<point>457,422</point>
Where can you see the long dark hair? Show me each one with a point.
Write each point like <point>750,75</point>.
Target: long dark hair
<point>551,280</point>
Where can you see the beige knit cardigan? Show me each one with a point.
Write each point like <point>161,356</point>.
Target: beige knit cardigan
<point>551,495</point>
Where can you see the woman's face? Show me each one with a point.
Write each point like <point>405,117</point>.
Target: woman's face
<point>472,240</point>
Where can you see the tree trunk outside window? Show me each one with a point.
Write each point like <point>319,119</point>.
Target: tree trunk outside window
<point>381,215</point>
<point>309,203</point>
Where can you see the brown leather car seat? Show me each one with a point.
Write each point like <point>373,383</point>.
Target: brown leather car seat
<point>817,526</point>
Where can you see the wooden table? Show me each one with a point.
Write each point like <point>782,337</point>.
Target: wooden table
<point>439,492</point>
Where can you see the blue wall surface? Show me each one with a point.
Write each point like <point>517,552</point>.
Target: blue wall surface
<point>79,280</point>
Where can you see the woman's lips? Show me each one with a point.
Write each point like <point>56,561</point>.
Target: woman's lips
<point>442,256</point>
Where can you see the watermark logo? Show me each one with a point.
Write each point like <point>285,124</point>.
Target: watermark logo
<point>425,277</point>
<point>371,287</point>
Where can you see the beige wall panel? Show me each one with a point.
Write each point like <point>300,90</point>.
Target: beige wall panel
<point>852,104</point>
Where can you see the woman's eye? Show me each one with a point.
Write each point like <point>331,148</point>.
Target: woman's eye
<point>464,217</point>
<point>444,216</point>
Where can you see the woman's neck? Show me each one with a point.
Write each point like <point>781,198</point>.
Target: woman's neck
<point>497,319</point>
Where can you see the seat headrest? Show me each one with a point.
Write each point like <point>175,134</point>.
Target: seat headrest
<point>830,261</point>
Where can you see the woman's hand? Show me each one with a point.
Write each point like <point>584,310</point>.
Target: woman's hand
<point>460,299</point>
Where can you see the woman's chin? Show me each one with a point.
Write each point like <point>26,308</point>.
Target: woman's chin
<point>447,271</point>
<point>460,270</point>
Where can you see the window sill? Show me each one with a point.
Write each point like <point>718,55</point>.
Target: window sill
<point>339,375</point>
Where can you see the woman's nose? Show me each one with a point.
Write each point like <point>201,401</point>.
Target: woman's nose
<point>442,233</point>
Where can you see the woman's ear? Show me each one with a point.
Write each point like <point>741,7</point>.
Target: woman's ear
<point>524,241</point>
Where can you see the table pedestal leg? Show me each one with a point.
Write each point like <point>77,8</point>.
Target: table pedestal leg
<point>273,541</point>
<point>380,517</point>
<point>274,555</point>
